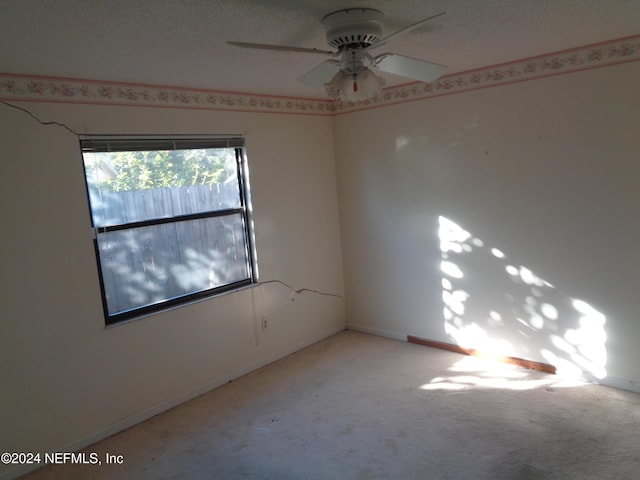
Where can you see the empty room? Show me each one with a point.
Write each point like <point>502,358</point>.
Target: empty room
<point>319,239</point>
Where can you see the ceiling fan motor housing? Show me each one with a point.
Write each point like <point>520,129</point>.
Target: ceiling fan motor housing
<point>353,28</point>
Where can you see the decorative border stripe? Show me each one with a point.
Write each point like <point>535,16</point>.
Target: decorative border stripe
<point>34,88</point>
<point>606,54</point>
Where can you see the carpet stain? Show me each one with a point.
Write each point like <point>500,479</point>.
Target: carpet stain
<point>348,430</point>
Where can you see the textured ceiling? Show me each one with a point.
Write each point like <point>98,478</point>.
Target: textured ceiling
<point>182,42</point>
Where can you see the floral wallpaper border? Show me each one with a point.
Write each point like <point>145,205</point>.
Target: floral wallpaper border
<point>585,58</point>
<point>66,90</point>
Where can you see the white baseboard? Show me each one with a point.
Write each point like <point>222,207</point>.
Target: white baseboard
<point>619,383</point>
<point>374,331</point>
<point>163,407</point>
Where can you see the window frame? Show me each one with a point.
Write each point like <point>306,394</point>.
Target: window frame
<point>105,143</point>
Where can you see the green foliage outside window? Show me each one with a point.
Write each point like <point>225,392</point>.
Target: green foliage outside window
<point>137,170</point>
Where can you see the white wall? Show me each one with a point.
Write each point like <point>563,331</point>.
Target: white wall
<point>547,172</point>
<point>67,380</point>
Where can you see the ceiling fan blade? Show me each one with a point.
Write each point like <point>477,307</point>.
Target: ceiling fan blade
<point>280,48</point>
<point>409,67</point>
<point>403,31</point>
<point>320,74</point>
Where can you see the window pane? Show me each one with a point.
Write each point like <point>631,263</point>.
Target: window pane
<point>148,265</point>
<point>133,186</point>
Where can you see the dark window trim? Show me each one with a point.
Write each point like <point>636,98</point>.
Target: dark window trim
<point>104,143</point>
<point>245,200</point>
<point>176,219</point>
<point>165,305</point>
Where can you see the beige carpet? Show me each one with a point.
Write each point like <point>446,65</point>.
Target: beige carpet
<point>357,406</point>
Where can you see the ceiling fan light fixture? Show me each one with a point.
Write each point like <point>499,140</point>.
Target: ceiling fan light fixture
<point>336,84</point>
<point>354,33</point>
<point>365,85</point>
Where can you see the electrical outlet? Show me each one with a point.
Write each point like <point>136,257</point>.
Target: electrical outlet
<point>264,323</point>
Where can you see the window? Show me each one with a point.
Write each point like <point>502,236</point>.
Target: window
<point>171,218</point>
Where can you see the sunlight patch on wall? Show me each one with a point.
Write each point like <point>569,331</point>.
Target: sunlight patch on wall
<point>492,303</point>
<point>401,142</point>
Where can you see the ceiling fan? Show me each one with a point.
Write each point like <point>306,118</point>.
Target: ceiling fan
<point>354,33</point>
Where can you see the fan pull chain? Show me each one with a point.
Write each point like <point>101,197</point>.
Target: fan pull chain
<point>353,61</point>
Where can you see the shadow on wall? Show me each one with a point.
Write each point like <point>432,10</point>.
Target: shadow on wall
<point>146,265</point>
<point>493,304</point>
